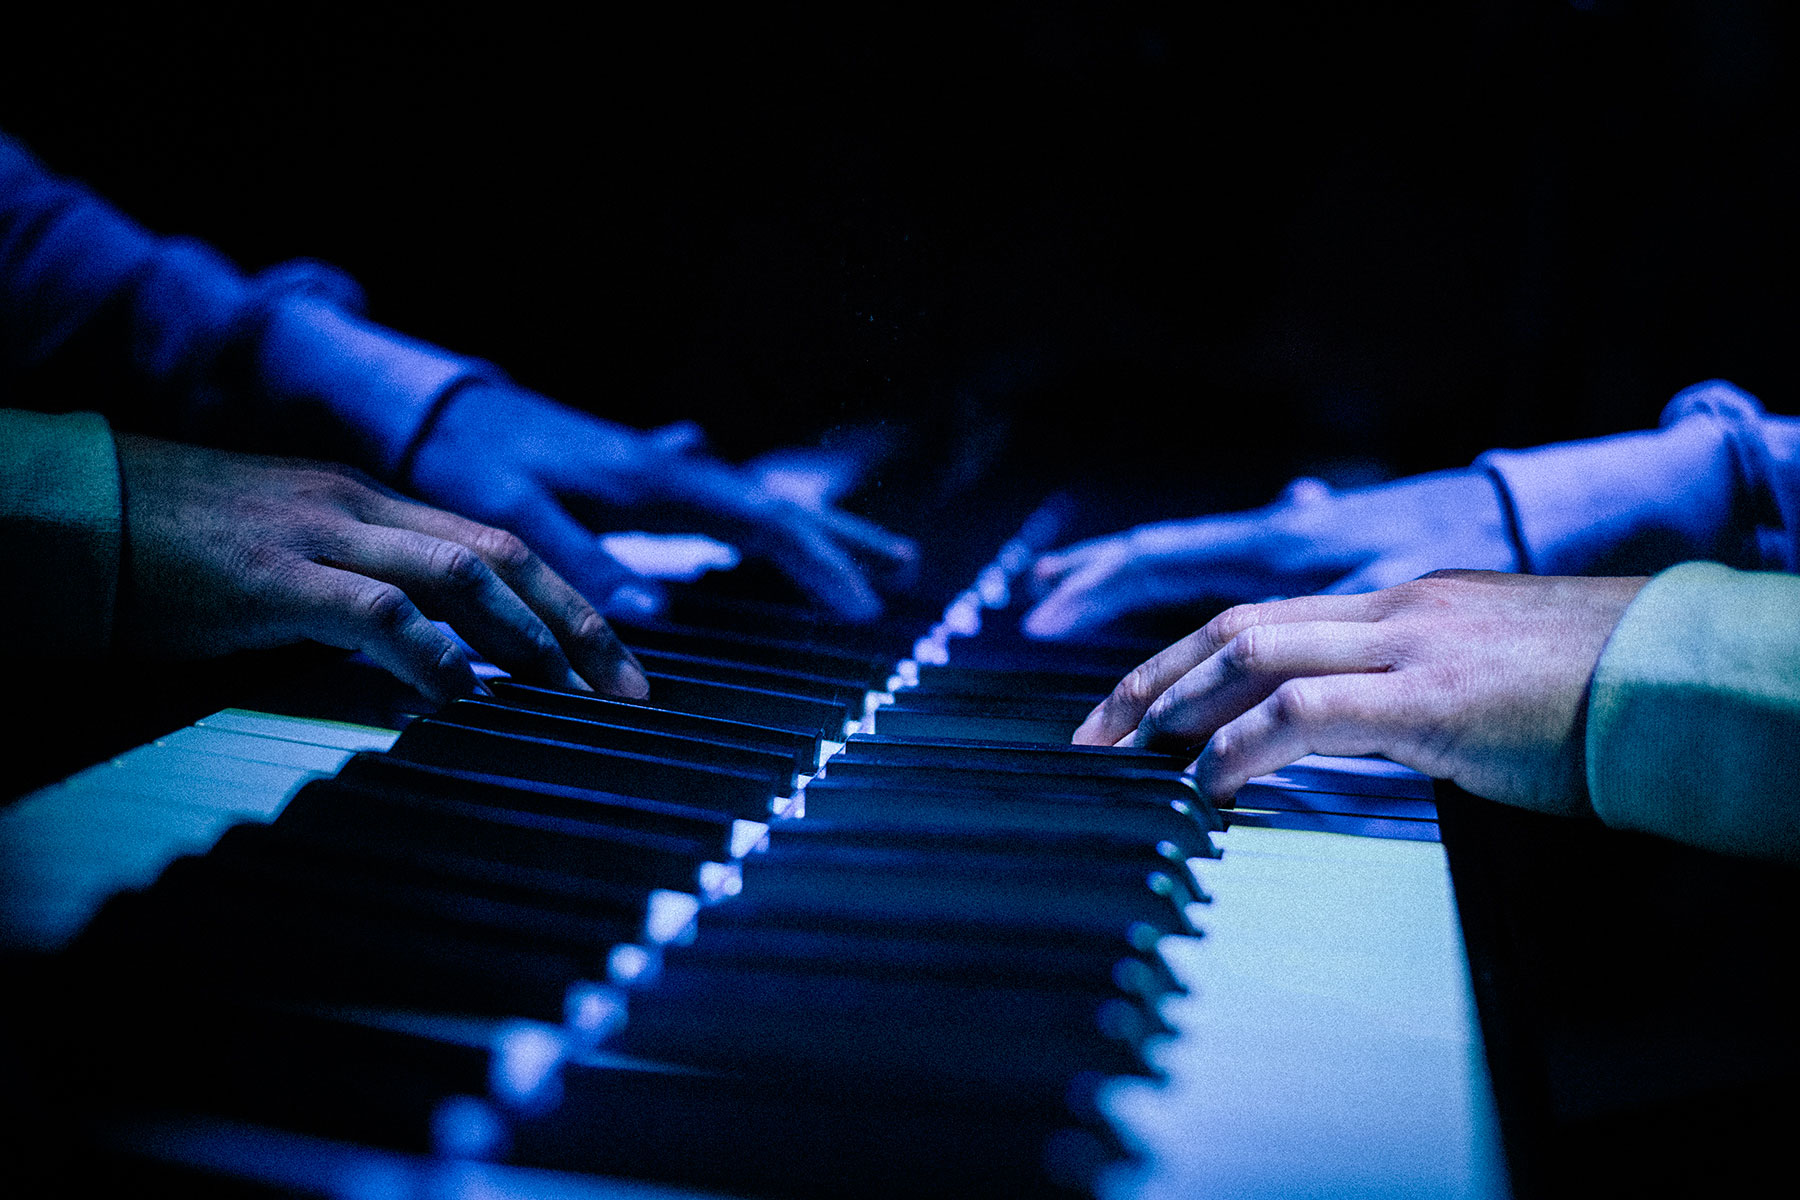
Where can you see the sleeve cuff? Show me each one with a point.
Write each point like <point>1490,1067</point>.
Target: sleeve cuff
<point>351,390</point>
<point>1694,717</point>
<point>1629,504</point>
<point>60,527</point>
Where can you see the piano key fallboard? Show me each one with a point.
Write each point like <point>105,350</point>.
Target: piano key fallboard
<point>835,915</point>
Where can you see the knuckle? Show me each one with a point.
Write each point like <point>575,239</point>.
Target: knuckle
<point>263,559</point>
<point>1225,749</point>
<point>385,607</point>
<point>1246,653</point>
<point>1137,691</point>
<point>1298,702</point>
<point>456,565</point>
<point>448,658</point>
<point>587,624</point>
<point>544,644</point>
<point>505,550</point>
<point>1233,621</point>
<point>1155,721</point>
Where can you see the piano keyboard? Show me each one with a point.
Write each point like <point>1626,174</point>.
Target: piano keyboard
<point>817,925</point>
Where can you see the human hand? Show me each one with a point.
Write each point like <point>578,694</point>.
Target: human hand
<point>1475,676</point>
<point>231,552</point>
<point>559,478</point>
<point>1311,539</point>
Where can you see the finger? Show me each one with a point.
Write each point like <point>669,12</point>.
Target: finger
<point>1119,714</point>
<point>1304,489</point>
<point>355,612</point>
<point>1050,568</point>
<point>1331,714</point>
<point>455,583</point>
<point>1248,669</point>
<point>824,571</point>
<point>1084,600</point>
<point>587,640</point>
<point>867,537</point>
<point>678,437</point>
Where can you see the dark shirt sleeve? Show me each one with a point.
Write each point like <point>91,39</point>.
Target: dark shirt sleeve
<point>1719,480</point>
<point>282,360</point>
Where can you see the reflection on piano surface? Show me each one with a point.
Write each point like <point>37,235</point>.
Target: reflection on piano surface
<point>842,914</point>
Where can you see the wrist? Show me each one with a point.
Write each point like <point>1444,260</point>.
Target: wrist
<point>354,391</point>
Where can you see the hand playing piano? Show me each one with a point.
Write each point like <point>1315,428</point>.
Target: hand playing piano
<point>229,552</point>
<point>1311,539</point>
<point>1476,676</point>
<point>560,478</point>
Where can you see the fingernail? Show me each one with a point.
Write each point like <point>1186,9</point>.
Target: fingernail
<point>629,681</point>
<point>576,683</point>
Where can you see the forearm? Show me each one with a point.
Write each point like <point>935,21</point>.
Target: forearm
<point>1693,721</point>
<point>60,533</point>
<point>1720,480</point>
<point>278,362</point>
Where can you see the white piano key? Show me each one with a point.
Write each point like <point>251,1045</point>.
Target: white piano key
<point>165,775</point>
<point>338,734</point>
<point>66,849</point>
<point>230,744</point>
<point>1328,1044</point>
<point>64,852</point>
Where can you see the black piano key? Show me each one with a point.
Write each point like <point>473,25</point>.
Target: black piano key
<point>1064,760</point>
<point>500,718</point>
<point>765,1136</point>
<point>949,1039</point>
<point>748,909</point>
<point>357,813</point>
<point>881,642</point>
<point>289,870</point>
<point>905,720</point>
<point>1018,1006</point>
<point>324,1073</point>
<point>1035,706</point>
<point>1016,897</point>
<point>803,748</point>
<point>1067,857</point>
<point>784,710</point>
<point>1013,682</point>
<point>755,649</point>
<point>889,954</point>
<point>261,942</point>
<point>1165,874</point>
<point>611,810</point>
<point>608,900</point>
<point>971,808</point>
<point>1124,785</point>
<point>575,921</point>
<point>1001,648</point>
<point>435,744</point>
<point>695,666</point>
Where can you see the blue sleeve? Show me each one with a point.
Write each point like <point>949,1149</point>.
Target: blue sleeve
<point>283,360</point>
<point>1719,480</point>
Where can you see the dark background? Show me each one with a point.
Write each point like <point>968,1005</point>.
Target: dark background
<point>1231,242</point>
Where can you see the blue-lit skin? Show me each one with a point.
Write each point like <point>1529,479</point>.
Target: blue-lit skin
<point>559,478</point>
<point>286,362</point>
<point>1630,504</point>
<point>234,551</point>
<point>1311,539</point>
<point>1479,677</point>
